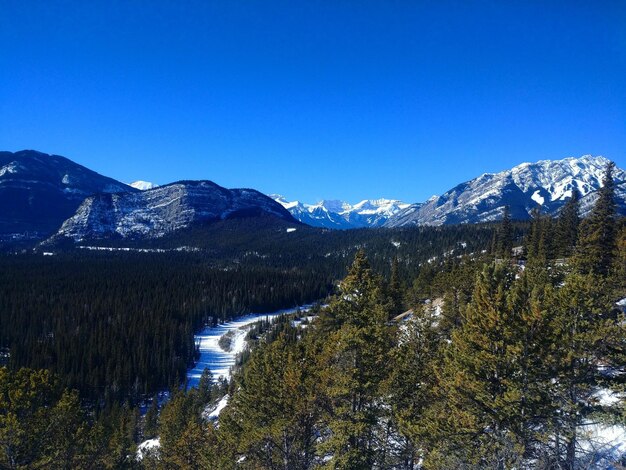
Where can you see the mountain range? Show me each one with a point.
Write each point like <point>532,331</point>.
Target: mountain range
<point>50,197</point>
<point>341,215</point>
<point>165,209</point>
<point>547,183</point>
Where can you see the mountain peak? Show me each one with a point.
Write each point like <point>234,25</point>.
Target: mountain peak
<point>39,191</point>
<point>548,183</point>
<point>330,213</point>
<point>162,210</point>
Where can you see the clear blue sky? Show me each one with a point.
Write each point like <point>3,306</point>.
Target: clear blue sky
<point>313,99</point>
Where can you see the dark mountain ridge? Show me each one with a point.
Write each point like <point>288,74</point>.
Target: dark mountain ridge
<point>39,191</point>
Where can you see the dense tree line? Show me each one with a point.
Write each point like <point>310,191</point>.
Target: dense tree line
<point>265,241</point>
<point>118,327</point>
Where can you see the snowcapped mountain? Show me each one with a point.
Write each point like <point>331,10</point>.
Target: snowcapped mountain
<point>548,183</point>
<point>341,215</point>
<point>39,191</point>
<point>157,212</point>
<point>143,185</point>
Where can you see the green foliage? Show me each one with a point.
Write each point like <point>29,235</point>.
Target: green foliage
<point>272,418</point>
<point>122,327</point>
<point>151,420</point>
<point>354,362</point>
<point>504,236</point>
<point>567,226</point>
<point>597,239</point>
<point>44,426</point>
<point>500,369</point>
<point>409,388</point>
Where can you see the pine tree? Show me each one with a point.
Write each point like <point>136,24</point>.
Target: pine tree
<point>195,448</point>
<point>488,389</point>
<point>409,389</point>
<point>504,235</point>
<point>539,241</point>
<point>68,434</point>
<point>395,290</point>
<point>588,339</point>
<point>203,393</point>
<point>151,420</point>
<point>271,419</point>
<point>597,239</point>
<point>620,271</point>
<point>121,446</point>
<point>354,364</point>
<point>567,226</point>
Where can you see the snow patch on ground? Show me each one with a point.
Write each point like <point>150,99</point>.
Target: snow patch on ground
<point>603,445</point>
<point>213,413</point>
<point>139,250</point>
<point>148,446</point>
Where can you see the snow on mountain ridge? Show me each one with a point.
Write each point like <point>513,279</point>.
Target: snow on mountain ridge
<point>341,214</point>
<point>143,185</point>
<point>548,183</point>
<point>157,212</point>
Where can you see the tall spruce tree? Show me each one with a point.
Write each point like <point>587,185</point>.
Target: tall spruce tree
<point>395,289</point>
<point>588,341</point>
<point>539,239</point>
<point>409,388</point>
<point>567,226</point>
<point>271,421</point>
<point>597,240</point>
<point>354,364</point>
<point>488,390</point>
<point>504,235</point>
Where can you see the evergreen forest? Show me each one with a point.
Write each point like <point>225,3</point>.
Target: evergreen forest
<point>511,353</point>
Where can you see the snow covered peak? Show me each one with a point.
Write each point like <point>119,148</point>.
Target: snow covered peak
<point>548,183</point>
<point>334,205</point>
<point>560,177</point>
<point>386,207</point>
<point>342,215</point>
<point>163,210</point>
<point>143,185</point>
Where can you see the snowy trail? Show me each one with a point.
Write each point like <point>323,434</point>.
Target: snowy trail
<point>213,357</point>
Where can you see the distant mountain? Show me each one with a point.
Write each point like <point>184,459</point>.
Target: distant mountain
<point>39,191</point>
<point>143,185</point>
<point>160,211</point>
<point>548,183</point>
<point>341,215</point>
<point>48,196</point>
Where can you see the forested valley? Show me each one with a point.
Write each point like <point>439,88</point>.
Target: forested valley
<point>119,326</point>
<point>505,359</point>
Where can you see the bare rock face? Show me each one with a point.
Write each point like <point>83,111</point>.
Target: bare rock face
<point>157,212</point>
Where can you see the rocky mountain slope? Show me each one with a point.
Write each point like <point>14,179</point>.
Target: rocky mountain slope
<point>547,183</point>
<point>39,191</point>
<point>157,212</point>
